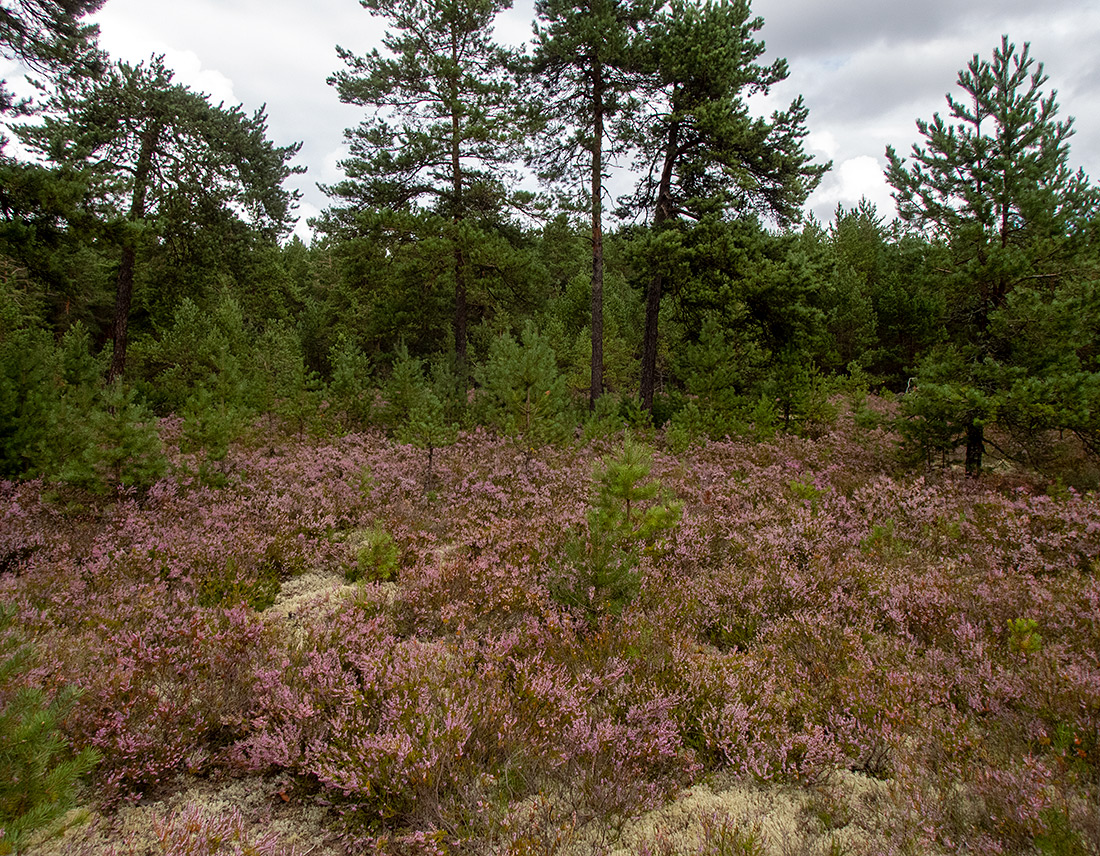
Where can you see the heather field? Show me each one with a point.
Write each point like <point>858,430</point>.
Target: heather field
<point>785,647</point>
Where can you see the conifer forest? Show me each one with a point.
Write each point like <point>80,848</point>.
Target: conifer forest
<point>520,515</point>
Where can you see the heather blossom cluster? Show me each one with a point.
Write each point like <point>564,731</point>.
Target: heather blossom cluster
<point>812,609</point>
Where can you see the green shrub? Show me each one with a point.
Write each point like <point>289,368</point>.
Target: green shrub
<point>375,556</point>
<point>279,380</point>
<point>629,516</point>
<point>48,388</point>
<point>605,419</point>
<point>229,585</point>
<point>524,391</point>
<point>406,390</point>
<point>801,393</point>
<point>121,447</point>
<point>38,774</point>
<point>1023,636</point>
<point>348,390</point>
<point>205,346</point>
<point>27,381</point>
<point>210,424</point>
<point>1059,838</point>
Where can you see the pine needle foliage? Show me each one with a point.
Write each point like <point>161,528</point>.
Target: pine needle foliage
<point>992,183</point>
<point>419,417</point>
<point>627,519</point>
<point>37,772</point>
<point>122,450</point>
<point>524,391</point>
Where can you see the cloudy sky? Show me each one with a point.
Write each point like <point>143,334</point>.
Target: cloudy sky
<point>867,68</point>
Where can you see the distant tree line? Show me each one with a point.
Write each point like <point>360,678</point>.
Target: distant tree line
<point>145,266</point>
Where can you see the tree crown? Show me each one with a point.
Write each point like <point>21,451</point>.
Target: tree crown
<point>996,170</point>
<point>134,131</point>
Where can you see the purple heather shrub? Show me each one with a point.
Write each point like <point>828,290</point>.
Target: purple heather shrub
<point>170,700</point>
<point>401,728</point>
<point>197,831</point>
<point>814,609</point>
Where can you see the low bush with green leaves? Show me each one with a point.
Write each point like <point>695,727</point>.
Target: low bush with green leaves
<point>122,450</point>
<point>523,391</point>
<point>375,557</point>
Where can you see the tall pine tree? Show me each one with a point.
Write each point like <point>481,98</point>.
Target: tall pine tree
<point>702,151</point>
<point>144,144</point>
<point>444,126</point>
<point>585,57</point>
<point>993,184</point>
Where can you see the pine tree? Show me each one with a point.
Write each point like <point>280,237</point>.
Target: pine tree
<point>348,389</point>
<point>426,428</point>
<point>629,515</point>
<point>49,35</point>
<point>121,449</point>
<point>585,58</point>
<point>416,412</point>
<point>37,772</point>
<point>524,391</point>
<point>445,125</point>
<point>146,144</point>
<point>703,152</point>
<point>993,184</point>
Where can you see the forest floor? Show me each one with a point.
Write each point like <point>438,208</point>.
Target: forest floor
<point>336,651</point>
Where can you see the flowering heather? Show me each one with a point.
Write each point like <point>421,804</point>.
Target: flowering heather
<point>813,610</point>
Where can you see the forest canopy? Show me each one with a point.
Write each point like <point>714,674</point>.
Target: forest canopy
<point>145,257</point>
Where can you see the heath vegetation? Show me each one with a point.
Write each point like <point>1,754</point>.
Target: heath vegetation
<point>492,522</point>
<point>585,630</point>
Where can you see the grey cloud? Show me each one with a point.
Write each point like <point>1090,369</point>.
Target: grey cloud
<point>867,68</point>
<point>811,27</point>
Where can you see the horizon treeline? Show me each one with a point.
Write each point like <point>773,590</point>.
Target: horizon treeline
<point>145,271</point>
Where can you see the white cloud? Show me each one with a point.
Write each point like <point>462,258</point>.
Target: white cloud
<point>305,211</point>
<point>850,181</point>
<point>329,171</point>
<point>513,26</point>
<point>868,74</point>
<point>188,70</point>
<point>822,142</point>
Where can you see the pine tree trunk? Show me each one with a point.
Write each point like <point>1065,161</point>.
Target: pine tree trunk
<point>975,446</point>
<point>457,214</point>
<point>596,387</point>
<point>656,282</point>
<point>649,340</point>
<point>124,294</point>
<point>124,291</point>
<point>460,315</point>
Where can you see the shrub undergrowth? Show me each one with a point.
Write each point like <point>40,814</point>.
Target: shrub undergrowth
<point>799,608</point>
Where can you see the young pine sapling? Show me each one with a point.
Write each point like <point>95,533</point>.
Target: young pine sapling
<point>628,517</point>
